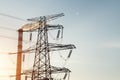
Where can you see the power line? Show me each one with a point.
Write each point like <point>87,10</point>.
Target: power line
<point>13,38</point>
<point>6,28</point>
<point>3,14</point>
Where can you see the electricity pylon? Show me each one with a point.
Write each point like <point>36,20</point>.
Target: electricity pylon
<point>42,69</point>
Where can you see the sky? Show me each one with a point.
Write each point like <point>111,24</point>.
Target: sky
<point>92,25</point>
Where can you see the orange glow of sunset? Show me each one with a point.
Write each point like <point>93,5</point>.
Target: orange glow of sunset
<point>6,67</point>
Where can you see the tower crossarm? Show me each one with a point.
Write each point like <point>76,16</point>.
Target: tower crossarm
<point>52,47</point>
<point>34,26</point>
<point>53,70</point>
<point>59,70</point>
<point>31,26</point>
<point>52,27</point>
<point>38,22</point>
<point>55,47</point>
<point>47,18</point>
<point>25,51</point>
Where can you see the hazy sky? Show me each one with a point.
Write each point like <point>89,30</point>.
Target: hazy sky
<point>92,25</point>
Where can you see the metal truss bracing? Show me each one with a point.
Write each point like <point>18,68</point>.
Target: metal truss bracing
<point>52,47</point>
<point>41,67</point>
<point>53,27</point>
<point>56,47</point>
<point>59,70</point>
<point>48,17</point>
<point>54,70</point>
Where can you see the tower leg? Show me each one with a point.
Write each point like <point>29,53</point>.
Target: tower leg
<point>19,55</point>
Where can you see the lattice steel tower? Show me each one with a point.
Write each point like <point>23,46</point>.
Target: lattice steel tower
<point>42,69</point>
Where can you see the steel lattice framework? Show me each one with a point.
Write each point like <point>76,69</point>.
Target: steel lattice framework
<point>41,67</point>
